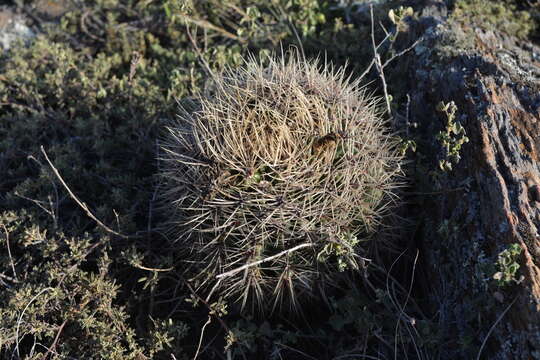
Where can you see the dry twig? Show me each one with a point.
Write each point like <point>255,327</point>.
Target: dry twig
<point>80,203</point>
<point>379,66</point>
<point>9,253</point>
<point>52,348</point>
<point>284,252</point>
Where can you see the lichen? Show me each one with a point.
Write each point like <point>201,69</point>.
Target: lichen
<point>501,15</point>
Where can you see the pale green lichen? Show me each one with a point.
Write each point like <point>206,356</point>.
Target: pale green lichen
<point>495,15</point>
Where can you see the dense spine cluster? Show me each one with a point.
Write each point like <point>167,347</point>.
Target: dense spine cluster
<point>275,179</point>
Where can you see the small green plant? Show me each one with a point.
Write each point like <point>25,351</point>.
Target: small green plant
<point>447,229</point>
<point>452,137</point>
<point>507,266</point>
<point>343,251</point>
<point>406,145</point>
<point>275,180</point>
<point>397,17</point>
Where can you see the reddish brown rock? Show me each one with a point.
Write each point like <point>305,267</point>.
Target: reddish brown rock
<point>490,200</point>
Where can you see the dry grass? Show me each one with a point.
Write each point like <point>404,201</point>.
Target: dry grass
<point>276,180</point>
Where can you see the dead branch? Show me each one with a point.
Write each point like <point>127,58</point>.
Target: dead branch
<point>80,203</point>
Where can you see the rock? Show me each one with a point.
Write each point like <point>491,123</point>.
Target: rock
<point>12,28</point>
<point>51,10</point>
<point>488,202</point>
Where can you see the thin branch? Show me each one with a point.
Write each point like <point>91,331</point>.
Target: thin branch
<point>85,30</point>
<point>493,328</point>
<point>293,28</point>
<point>284,252</point>
<point>39,203</point>
<point>437,192</point>
<point>208,25</point>
<point>152,269</point>
<point>378,64</point>
<point>80,203</point>
<point>296,351</point>
<point>8,278</point>
<point>408,115</point>
<point>199,53</point>
<point>54,209</point>
<point>201,337</point>
<point>151,202</point>
<point>368,69</point>
<point>53,346</point>
<point>9,253</point>
<point>19,320</point>
<point>402,52</point>
<point>194,293</point>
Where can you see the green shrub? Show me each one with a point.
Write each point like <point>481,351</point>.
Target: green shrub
<point>93,90</point>
<point>276,178</point>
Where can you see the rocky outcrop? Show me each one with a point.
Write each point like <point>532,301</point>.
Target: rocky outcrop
<point>13,27</point>
<point>480,239</point>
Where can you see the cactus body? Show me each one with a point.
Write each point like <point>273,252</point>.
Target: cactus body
<point>275,180</point>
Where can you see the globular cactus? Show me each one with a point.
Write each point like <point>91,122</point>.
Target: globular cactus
<point>275,180</point>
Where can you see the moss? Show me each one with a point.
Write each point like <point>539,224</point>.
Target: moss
<point>499,15</point>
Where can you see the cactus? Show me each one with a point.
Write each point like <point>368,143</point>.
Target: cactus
<point>276,179</point>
